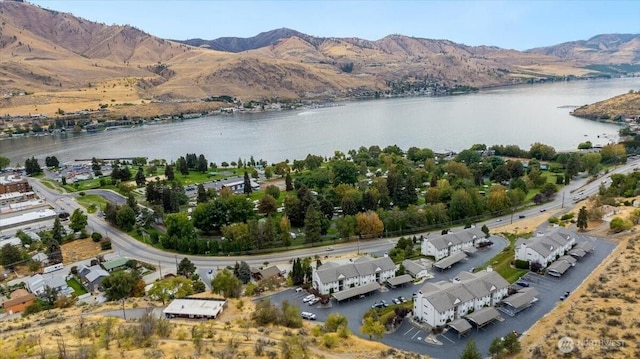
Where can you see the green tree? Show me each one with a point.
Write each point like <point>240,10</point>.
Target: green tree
<point>618,225</point>
<point>312,225</point>
<point>542,152</point>
<point>288,182</point>
<point>511,343</point>
<point>10,255</point>
<point>471,351</point>
<point>140,178</point>
<point>57,233</point>
<point>125,218</point>
<point>132,203</point>
<point>4,162</point>
<point>583,218</point>
<point>227,284</point>
<point>344,172</point>
<point>334,321</point>
<point>54,253</point>
<point>496,348</point>
<point>247,183</point>
<point>168,172</point>
<point>202,194</point>
<point>244,272</point>
<point>78,220</point>
<point>346,226</point>
<point>170,288</point>
<point>285,231</point>
<point>372,327</point>
<point>179,225</point>
<point>186,268</point>
<point>267,205</point>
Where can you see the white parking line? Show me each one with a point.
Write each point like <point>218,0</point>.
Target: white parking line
<point>408,331</point>
<point>418,332</point>
<point>447,338</point>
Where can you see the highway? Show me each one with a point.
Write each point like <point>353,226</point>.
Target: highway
<point>127,246</point>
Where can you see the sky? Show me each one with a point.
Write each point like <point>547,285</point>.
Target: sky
<point>514,24</point>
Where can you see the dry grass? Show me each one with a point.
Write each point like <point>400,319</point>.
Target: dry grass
<point>627,104</point>
<point>80,249</point>
<point>232,334</point>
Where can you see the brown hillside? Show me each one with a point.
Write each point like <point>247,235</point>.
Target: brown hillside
<point>626,105</point>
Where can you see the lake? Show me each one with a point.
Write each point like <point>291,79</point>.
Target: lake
<point>518,115</point>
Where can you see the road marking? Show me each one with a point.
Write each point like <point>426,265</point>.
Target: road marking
<point>408,331</point>
<point>447,338</point>
<point>418,332</point>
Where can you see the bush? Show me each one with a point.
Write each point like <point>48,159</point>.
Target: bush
<point>105,245</point>
<point>521,264</point>
<point>96,237</point>
<point>329,340</point>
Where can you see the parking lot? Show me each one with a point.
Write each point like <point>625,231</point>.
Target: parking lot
<point>411,337</point>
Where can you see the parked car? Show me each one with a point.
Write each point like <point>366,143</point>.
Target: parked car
<point>377,305</point>
<point>402,299</point>
<point>308,316</point>
<point>299,289</point>
<point>521,216</point>
<point>543,210</point>
<point>314,301</point>
<point>396,300</point>
<point>308,298</point>
<point>522,283</point>
<point>384,303</point>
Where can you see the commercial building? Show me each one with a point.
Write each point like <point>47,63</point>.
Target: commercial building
<point>193,308</point>
<point>14,183</point>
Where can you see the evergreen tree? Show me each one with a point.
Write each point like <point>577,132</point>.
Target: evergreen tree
<point>186,268</point>
<point>202,194</point>
<point>140,178</point>
<point>168,173</point>
<point>244,272</point>
<point>583,218</point>
<point>132,203</point>
<point>471,351</point>
<point>202,164</point>
<point>78,220</point>
<point>312,225</point>
<point>247,183</point>
<point>54,253</point>
<point>57,231</point>
<point>288,182</point>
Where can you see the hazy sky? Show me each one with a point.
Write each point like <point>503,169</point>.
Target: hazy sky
<point>508,24</point>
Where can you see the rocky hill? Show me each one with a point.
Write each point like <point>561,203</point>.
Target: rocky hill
<point>60,61</point>
<point>600,49</point>
<point>615,108</point>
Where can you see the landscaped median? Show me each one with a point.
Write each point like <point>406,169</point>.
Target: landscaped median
<point>501,262</point>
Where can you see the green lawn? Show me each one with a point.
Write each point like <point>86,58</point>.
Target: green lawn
<point>78,289</point>
<point>92,202</point>
<point>501,262</point>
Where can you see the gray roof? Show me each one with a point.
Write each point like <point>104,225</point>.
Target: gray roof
<point>569,259</point>
<point>446,262</point>
<point>451,239</point>
<point>95,272</point>
<point>460,325</point>
<point>559,267</point>
<point>359,267</point>
<point>270,272</point>
<point>523,298</point>
<point>413,267</point>
<point>405,278</point>
<point>483,316</point>
<point>581,249</point>
<point>352,292</point>
<point>545,245</point>
<point>443,295</point>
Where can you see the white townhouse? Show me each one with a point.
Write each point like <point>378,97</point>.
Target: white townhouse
<point>442,302</point>
<point>546,248</point>
<point>333,278</point>
<point>451,243</point>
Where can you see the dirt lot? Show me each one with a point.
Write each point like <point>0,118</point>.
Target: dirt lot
<point>81,249</point>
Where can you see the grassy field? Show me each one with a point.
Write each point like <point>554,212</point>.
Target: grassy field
<point>92,202</point>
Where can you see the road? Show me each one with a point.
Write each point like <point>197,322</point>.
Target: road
<point>130,247</point>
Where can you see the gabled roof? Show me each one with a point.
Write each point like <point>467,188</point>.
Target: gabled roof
<point>446,262</point>
<point>483,316</point>
<point>362,266</point>
<point>116,263</point>
<point>559,267</point>
<point>522,298</point>
<point>445,295</point>
<point>412,266</point>
<point>355,291</point>
<point>452,239</point>
<point>95,272</point>
<point>270,272</point>
<point>403,279</point>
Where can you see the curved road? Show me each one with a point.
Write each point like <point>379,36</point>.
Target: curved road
<point>126,245</point>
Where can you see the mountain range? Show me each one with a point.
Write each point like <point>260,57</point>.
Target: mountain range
<point>45,51</point>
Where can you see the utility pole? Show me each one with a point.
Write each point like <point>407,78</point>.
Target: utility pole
<point>176,256</point>
<point>562,200</point>
<point>160,269</point>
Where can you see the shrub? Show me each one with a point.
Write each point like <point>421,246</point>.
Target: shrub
<point>105,245</point>
<point>522,264</point>
<point>96,237</point>
<point>329,340</point>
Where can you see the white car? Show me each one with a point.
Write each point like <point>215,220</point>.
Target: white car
<point>308,316</point>
<point>308,298</point>
<point>314,301</point>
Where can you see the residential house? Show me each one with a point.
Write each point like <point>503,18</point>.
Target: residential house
<point>116,264</point>
<point>92,276</point>
<point>546,248</point>
<point>40,257</point>
<point>38,283</point>
<point>18,301</point>
<point>416,269</point>
<point>451,243</point>
<point>266,273</point>
<point>332,277</point>
<point>439,303</point>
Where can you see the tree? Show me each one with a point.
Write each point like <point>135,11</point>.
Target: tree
<point>179,225</point>
<point>542,152</point>
<point>78,220</point>
<point>496,348</point>
<point>119,285</point>
<point>344,172</point>
<point>267,205</point>
<point>51,161</point>
<point>140,178</point>
<point>186,268</point>
<point>247,183</point>
<point>244,272</point>
<point>125,218</point>
<point>372,327</point>
<point>583,218</point>
<point>288,182</point>
<point>471,351</point>
<point>57,233</point>
<point>10,255</point>
<point>168,172</point>
<point>227,284</point>
<point>54,253</point>
<point>285,231</point>
<point>346,226</point>
<point>170,288</point>
<point>369,224</point>
<point>32,167</point>
<point>618,225</point>
<point>202,194</point>
<point>312,225</point>
<point>4,162</point>
<point>132,203</point>
<point>334,321</point>
<point>485,230</point>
